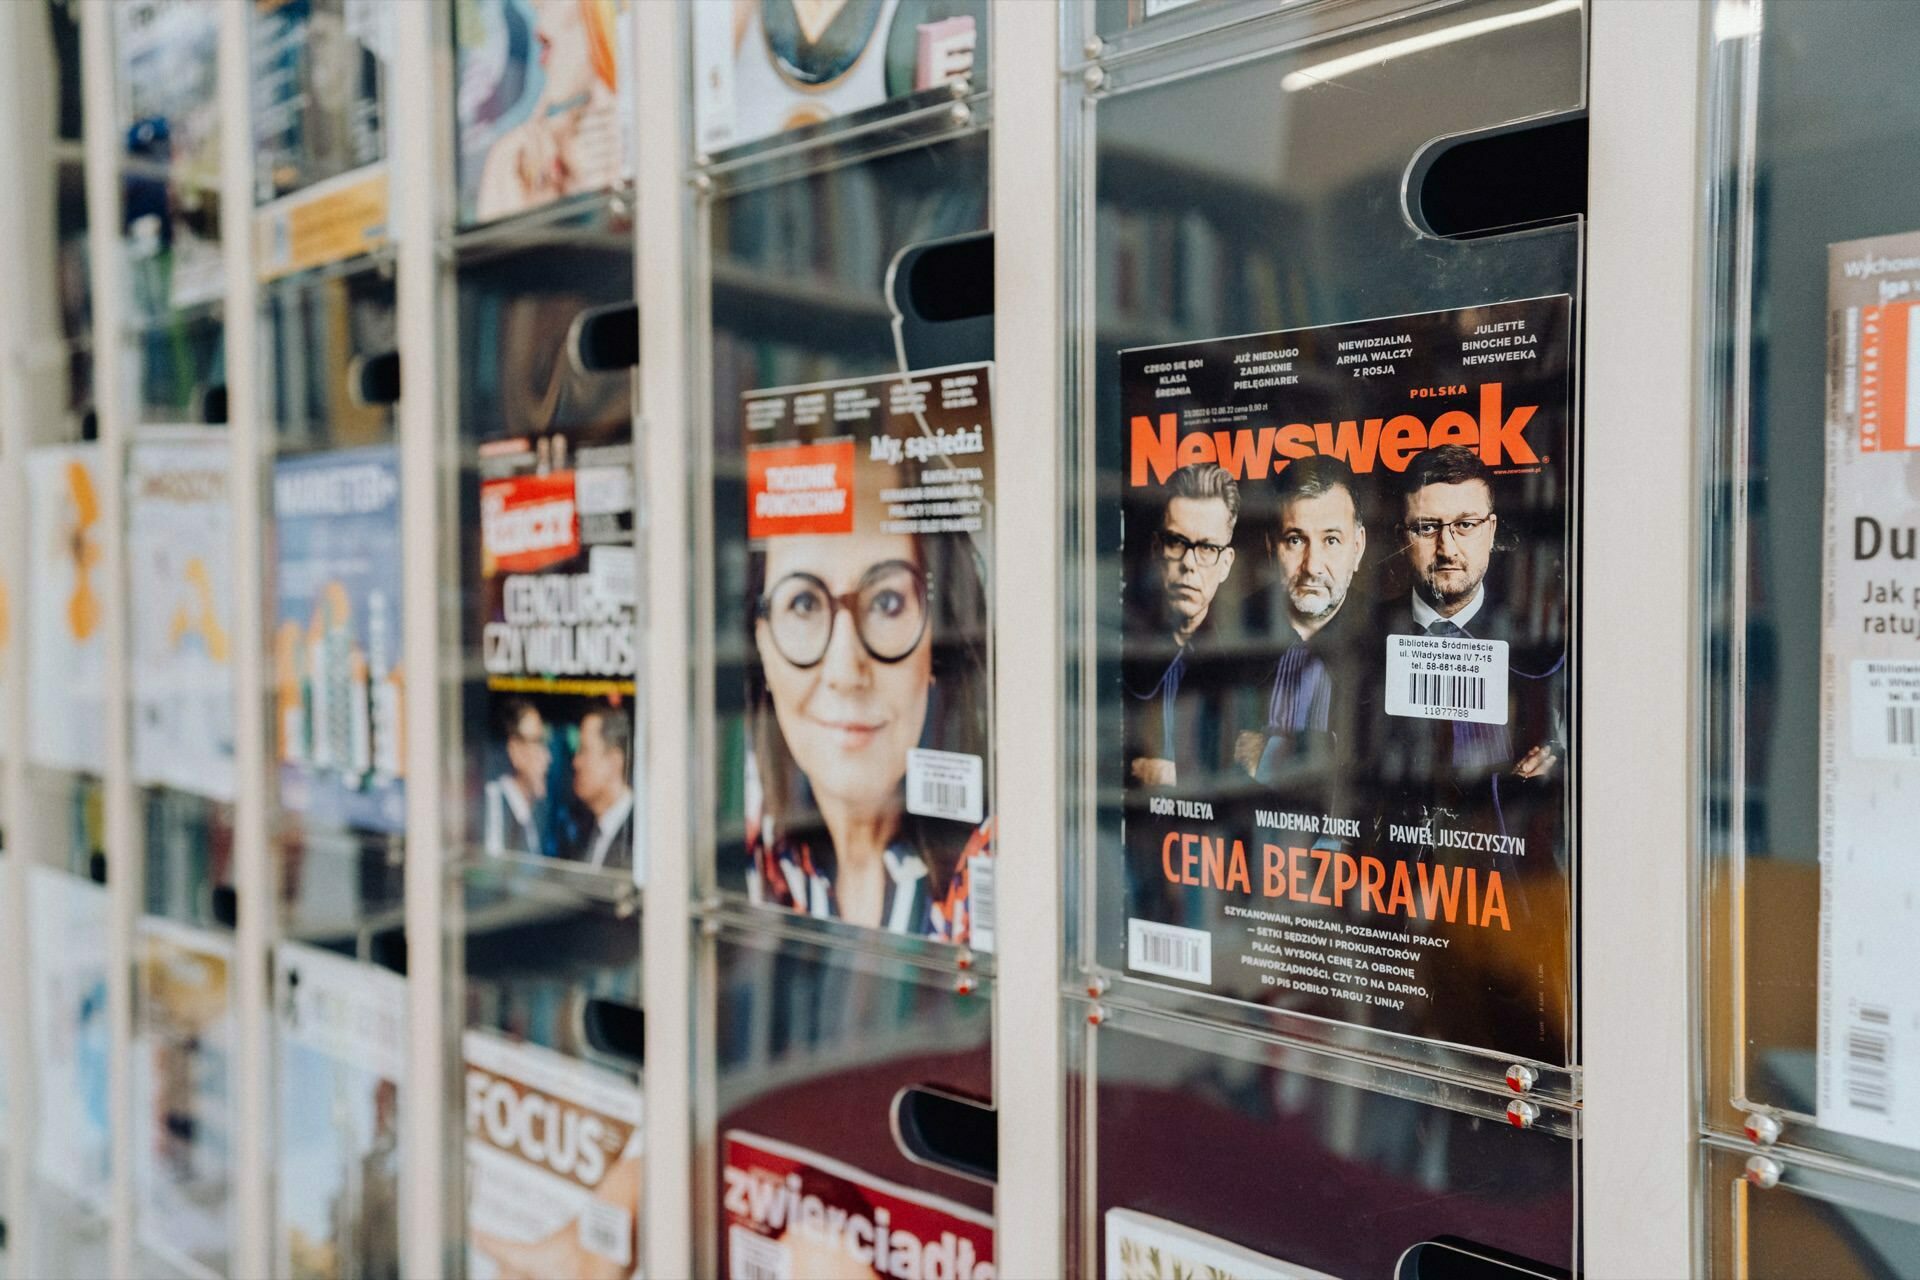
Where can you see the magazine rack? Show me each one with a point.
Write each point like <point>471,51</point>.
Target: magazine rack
<point>388,750</point>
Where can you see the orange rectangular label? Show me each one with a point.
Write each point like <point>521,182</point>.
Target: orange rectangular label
<point>1886,358</point>
<point>800,488</point>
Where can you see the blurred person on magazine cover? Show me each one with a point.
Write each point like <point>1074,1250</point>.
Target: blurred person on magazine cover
<point>514,799</point>
<point>563,1252</point>
<point>1179,721</point>
<point>1498,778</point>
<point>602,782</point>
<point>570,141</point>
<point>866,641</point>
<point>1316,541</point>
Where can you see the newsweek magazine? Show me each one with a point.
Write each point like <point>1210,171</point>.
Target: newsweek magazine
<point>868,659</point>
<point>340,1035</point>
<point>553,1164</point>
<point>762,67</point>
<point>337,638</point>
<point>789,1212</point>
<point>1344,673</point>
<point>1140,1246</point>
<point>543,104</point>
<point>559,641</point>
<point>67,996</point>
<point>66,627</point>
<point>183,1056</point>
<point>1870,690</point>
<point>179,593</point>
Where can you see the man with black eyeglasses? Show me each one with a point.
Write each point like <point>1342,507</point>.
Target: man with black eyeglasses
<point>1488,764</point>
<point>1178,733</point>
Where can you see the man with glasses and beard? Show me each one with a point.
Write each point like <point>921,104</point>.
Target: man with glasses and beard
<point>1317,541</point>
<point>1501,778</point>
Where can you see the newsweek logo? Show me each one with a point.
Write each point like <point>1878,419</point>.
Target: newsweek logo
<point>529,522</point>
<point>1496,433</point>
<point>542,1130</point>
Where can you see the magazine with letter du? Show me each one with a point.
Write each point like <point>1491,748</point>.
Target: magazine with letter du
<point>868,656</point>
<point>1344,672</point>
<point>553,1158</point>
<point>1870,692</point>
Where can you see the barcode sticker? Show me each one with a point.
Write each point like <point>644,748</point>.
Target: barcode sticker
<point>1886,709</point>
<point>615,574</point>
<point>1868,1074</point>
<point>607,1230</point>
<point>752,1256</point>
<point>980,901</point>
<point>1447,678</point>
<point>946,784</point>
<point>1170,951</point>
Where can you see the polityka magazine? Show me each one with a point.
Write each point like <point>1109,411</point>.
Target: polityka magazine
<point>793,1212</point>
<point>1870,690</point>
<point>869,519</point>
<point>560,586</point>
<point>553,1164</point>
<point>1344,673</point>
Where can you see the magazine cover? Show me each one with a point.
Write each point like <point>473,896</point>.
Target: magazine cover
<point>341,1033</point>
<point>182,1053</point>
<point>544,97</point>
<point>66,552</point>
<point>336,644</point>
<point>1344,672</point>
<point>168,52</point>
<point>319,130</point>
<point>560,587</point>
<point>793,1213</point>
<point>553,1164</point>
<point>67,952</point>
<point>868,707</point>
<point>1870,690</point>
<point>1143,1247</point>
<point>765,66</point>
<point>179,547</point>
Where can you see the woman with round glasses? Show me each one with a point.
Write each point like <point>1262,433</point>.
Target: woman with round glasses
<point>869,645</point>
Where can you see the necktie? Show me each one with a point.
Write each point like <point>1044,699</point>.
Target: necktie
<point>1475,746</point>
<point>1444,627</point>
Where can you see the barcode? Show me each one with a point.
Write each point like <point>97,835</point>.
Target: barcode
<point>1170,951</point>
<point>944,796</point>
<point>1455,693</point>
<point>751,1256</point>
<point>980,901</point>
<point>607,1231</point>
<point>1869,1047</point>
<point>1903,726</point>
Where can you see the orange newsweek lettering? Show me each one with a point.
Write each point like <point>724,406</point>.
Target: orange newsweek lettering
<point>1251,453</point>
<point>1321,877</point>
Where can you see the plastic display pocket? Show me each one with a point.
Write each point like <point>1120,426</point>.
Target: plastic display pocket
<point>763,68</point>
<point>184,1038</point>
<point>1811,1222</point>
<point>1808,672</point>
<point>799,269</point>
<point>67,977</point>
<point>544,103</point>
<point>1317,1142</point>
<point>319,131</point>
<point>811,1048</point>
<point>1327,622</point>
<point>318,336</point>
<point>165,60</point>
<point>549,559</point>
<point>340,1033</point>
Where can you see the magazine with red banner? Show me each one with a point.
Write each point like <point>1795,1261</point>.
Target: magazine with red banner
<point>1343,735</point>
<point>558,641</point>
<point>798,1215</point>
<point>868,655</point>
